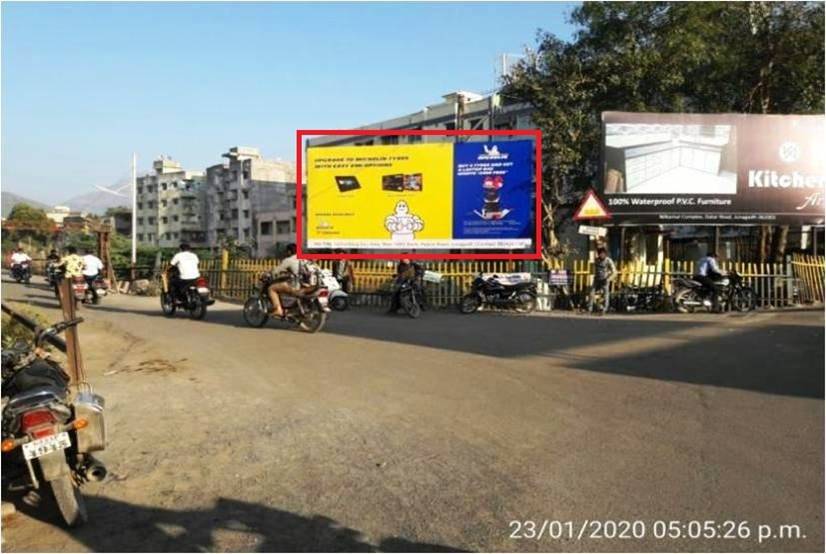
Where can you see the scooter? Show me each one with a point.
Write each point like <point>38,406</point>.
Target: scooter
<point>339,300</point>
<point>21,272</point>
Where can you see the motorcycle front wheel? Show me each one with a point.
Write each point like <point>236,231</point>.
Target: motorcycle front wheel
<point>314,318</point>
<point>525,303</point>
<point>69,501</point>
<point>469,303</point>
<point>256,311</point>
<point>167,304</point>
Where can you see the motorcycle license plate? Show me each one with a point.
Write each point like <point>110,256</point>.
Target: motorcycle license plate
<point>46,445</point>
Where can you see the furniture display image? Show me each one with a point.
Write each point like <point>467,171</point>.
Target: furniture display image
<point>670,159</point>
<point>347,183</point>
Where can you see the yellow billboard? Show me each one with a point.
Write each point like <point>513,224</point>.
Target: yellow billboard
<point>379,196</point>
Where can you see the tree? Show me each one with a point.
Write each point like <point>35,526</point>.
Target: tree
<point>663,57</point>
<point>25,220</point>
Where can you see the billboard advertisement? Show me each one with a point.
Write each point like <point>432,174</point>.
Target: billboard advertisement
<point>431,196</point>
<point>713,168</point>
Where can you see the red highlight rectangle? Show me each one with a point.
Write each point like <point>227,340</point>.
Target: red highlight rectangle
<point>300,134</point>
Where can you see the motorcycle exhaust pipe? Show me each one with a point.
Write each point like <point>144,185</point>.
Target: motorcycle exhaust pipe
<point>95,470</point>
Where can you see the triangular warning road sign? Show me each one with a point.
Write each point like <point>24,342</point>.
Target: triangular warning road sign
<point>591,208</point>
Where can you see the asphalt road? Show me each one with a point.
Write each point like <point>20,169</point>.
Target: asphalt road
<point>437,434</point>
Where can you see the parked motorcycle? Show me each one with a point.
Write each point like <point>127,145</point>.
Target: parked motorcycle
<point>194,299</point>
<point>640,299</point>
<point>411,297</point>
<point>732,294</point>
<point>309,310</point>
<point>49,432</point>
<point>497,292</point>
<point>21,272</point>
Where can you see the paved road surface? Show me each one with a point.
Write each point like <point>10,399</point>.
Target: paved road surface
<point>394,434</point>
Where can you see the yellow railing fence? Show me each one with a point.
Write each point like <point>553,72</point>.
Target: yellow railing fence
<point>800,280</point>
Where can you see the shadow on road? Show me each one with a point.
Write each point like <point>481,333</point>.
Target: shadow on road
<point>117,526</point>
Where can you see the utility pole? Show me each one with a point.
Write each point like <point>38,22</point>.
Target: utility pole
<point>134,214</point>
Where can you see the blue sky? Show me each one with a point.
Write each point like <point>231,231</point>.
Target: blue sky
<point>84,85</point>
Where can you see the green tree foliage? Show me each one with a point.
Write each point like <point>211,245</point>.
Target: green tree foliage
<point>27,221</point>
<point>752,57</point>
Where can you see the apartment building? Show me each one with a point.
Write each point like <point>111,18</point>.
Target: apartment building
<point>457,110</point>
<point>247,188</point>
<point>170,206</point>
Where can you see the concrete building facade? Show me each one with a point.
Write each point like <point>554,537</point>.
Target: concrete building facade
<point>170,206</point>
<point>458,110</point>
<point>241,191</point>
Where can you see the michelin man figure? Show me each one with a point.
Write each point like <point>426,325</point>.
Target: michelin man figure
<point>402,224</point>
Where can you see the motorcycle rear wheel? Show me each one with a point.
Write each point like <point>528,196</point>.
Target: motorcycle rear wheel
<point>411,307</point>
<point>197,309</point>
<point>680,299</point>
<point>256,311</point>
<point>525,303</point>
<point>314,319</point>
<point>69,501</point>
<point>469,304</point>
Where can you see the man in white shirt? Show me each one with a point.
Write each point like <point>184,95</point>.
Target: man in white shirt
<point>18,257</point>
<point>186,263</point>
<point>92,266</point>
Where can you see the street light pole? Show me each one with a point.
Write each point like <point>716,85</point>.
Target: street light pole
<point>134,214</point>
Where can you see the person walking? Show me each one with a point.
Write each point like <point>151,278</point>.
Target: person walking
<point>604,272</point>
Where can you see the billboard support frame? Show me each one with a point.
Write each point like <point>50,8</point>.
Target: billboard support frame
<point>536,134</point>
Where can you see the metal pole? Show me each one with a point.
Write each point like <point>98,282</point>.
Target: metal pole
<point>134,214</point>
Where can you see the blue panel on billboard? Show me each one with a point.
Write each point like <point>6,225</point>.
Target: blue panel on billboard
<point>493,190</point>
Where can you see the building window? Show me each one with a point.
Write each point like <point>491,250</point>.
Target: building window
<point>234,214</point>
<point>168,236</point>
<point>246,214</point>
<point>164,220</point>
<point>246,232</point>
<point>140,205</point>
<point>246,194</point>
<point>414,139</point>
<point>450,126</point>
<point>283,227</point>
<point>163,186</point>
<point>393,139</point>
<point>174,235</point>
<point>174,218</point>
<point>151,220</point>
<point>140,221</point>
<point>174,201</point>
<point>163,203</point>
<point>140,237</point>
<point>266,228</point>
<point>151,205</point>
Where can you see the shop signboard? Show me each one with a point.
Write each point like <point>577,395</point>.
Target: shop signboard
<point>713,169</point>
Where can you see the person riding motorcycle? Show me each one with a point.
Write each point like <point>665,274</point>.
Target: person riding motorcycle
<point>708,273</point>
<point>71,264</point>
<point>288,271</point>
<point>405,270</point>
<point>18,257</point>
<point>92,267</point>
<point>182,270</point>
